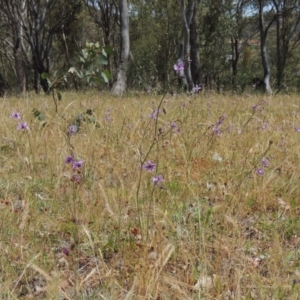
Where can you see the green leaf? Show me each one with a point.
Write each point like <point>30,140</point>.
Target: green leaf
<point>58,96</point>
<point>89,111</point>
<point>41,117</point>
<point>45,75</point>
<point>86,64</point>
<point>109,50</point>
<point>103,53</point>
<point>97,80</point>
<point>37,114</point>
<point>49,82</point>
<point>84,53</point>
<point>102,59</point>
<point>106,75</point>
<point>80,74</point>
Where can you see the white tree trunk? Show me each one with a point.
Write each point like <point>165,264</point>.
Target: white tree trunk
<point>185,48</point>
<point>263,47</point>
<point>120,86</point>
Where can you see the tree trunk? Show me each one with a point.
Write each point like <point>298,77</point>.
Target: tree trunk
<point>263,49</point>
<point>234,60</point>
<point>11,9</point>
<point>279,62</point>
<point>18,56</point>
<point>4,87</point>
<point>120,86</point>
<point>186,17</point>
<point>195,49</point>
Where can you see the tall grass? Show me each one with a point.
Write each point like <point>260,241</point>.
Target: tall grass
<point>221,223</point>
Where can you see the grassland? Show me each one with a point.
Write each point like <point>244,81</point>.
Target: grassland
<point>174,198</point>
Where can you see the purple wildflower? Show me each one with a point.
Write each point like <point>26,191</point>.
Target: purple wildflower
<point>264,126</point>
<point>217,131</point>
<point>161,130</point>
<point>197,88</point>
<point>70,159</point>
<point>254,107</point>
<point>173,125</point>
<point>297,129</point>
<point>157,179</point>
<point>77,164</point>
<point>154,114</point>
<point>15,115</point>
<point>265,162</point>
<point>260,172</point>
<point>178,67</point>
<point>108,117</point>
<point>221,120</point>
<point>73,129</point>
<point>149,166</point>
<point>22,126</point>
<point>76,178</point>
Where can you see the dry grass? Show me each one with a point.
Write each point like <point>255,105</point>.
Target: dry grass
<point>214,229</point>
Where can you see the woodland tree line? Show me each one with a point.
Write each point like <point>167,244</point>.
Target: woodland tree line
<point>150,45</point>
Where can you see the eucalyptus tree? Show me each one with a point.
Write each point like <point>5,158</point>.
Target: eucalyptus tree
<point>187,12</point>
<point>11,12</point>
<point>105,15</point>
<point>120,85</point>
<point>287,13</point>
<point>264,26</point>
<point>155,30</point>
<point>40,22</point>
<point>195,46</point>
<point>216,27</point>
<point>242,31</point>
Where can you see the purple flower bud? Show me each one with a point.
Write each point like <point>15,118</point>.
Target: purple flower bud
<point>108,117</point>
<point>65,251</point>
<point>154,114</point>
<point>260,172</point>
<point>76,178</point>
<point>173,125</point>
<point>217,131</point>
<point>73,129</point>
<point>265,162</point>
